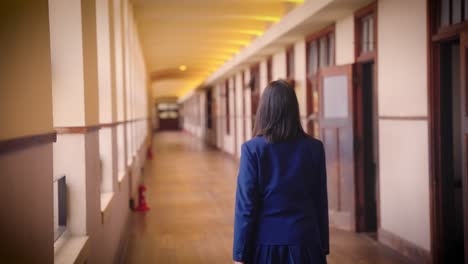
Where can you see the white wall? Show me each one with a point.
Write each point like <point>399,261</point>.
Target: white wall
<point>248,107</point>
<point>67,63</point>
<point>344,39</point>
<point>300,75</point>
<point>402,92</point>
<point>279,65</point>
<point>239,113</point>
<point>229,139</point>
<point>263,75</point>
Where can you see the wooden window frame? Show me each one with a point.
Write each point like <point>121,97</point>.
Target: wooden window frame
<point>312,81</point>
<point>358,16</point>
<point>448,32</point>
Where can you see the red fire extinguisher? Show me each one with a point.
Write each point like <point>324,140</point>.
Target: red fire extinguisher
<point>142,204</point>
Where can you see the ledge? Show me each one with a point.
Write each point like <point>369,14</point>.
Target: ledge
<point>74,250</point>
<point>106,199</point>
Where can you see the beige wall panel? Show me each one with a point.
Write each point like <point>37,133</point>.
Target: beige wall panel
<point>279,65</point>
<point>263,75</point>
<point>26,192</point>
<point>300,75</point>
<point>404,180</point>
<point>248,107</point>
<point>344,35</point>
<point>25,69</point>
<point>67,63</point>
<point>402,53</point>
<point>239,113</point>
<point>104,62</point>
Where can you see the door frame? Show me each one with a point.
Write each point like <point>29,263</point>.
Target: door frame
<point>358,122</point>
<point>435,39</point>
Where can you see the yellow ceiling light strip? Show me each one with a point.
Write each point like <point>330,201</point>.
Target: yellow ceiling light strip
<point>265,18</point>
<point>251,32</point>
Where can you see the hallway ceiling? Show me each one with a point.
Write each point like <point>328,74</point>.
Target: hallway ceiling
<point>184,41</point>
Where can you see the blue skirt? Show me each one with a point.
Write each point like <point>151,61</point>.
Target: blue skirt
<point>286,254</point>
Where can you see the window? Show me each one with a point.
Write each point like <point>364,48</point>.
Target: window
<point>168,111</point>
<point>60,206</point>
<point>226,89</point>
<point>320,53</point>
<point>451,12</point>
<point>367,37</point>
<point>209,103</point>
<point>366,33</point>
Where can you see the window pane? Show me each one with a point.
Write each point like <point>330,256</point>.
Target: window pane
<point>163,115</point>
<point>331,49</point>
<point>370,39</point>
<point>323,52</point>
<point>456,11</point>
<point>173,114</point>
<point>163,106</point>
<point>444,12</point>
<point>313,59</point>
<point>365,38</point>
<point>335,97</point>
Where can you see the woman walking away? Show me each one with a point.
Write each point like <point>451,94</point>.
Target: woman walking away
<point>281,212</point>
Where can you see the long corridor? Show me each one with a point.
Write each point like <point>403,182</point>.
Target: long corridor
<point>191,191</point>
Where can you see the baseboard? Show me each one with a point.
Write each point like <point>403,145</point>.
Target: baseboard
<point>412,252</point>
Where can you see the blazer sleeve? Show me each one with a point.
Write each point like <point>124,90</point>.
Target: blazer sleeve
<point>247,196</point>
<point>323,203</point>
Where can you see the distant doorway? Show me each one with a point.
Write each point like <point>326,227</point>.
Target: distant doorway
<point>450,191</point>
<point>168,116</point>
<point>365,120</point>
<point>448,96</point>
<point>365,149</point>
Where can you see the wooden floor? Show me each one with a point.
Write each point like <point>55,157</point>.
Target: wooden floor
<point>191,191</point>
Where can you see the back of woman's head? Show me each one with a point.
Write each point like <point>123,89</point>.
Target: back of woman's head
<point>278,114</point>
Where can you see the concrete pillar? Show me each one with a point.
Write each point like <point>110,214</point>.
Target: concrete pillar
<point>76,109</point>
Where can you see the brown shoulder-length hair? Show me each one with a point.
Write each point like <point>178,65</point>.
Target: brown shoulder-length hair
<point>277,117</point>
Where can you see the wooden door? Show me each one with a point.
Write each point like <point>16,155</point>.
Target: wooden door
<point>464,133</point>
<point>336,130</point>
<point>365,147</point>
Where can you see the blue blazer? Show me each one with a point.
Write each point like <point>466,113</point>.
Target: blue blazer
<point>281,196</point>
